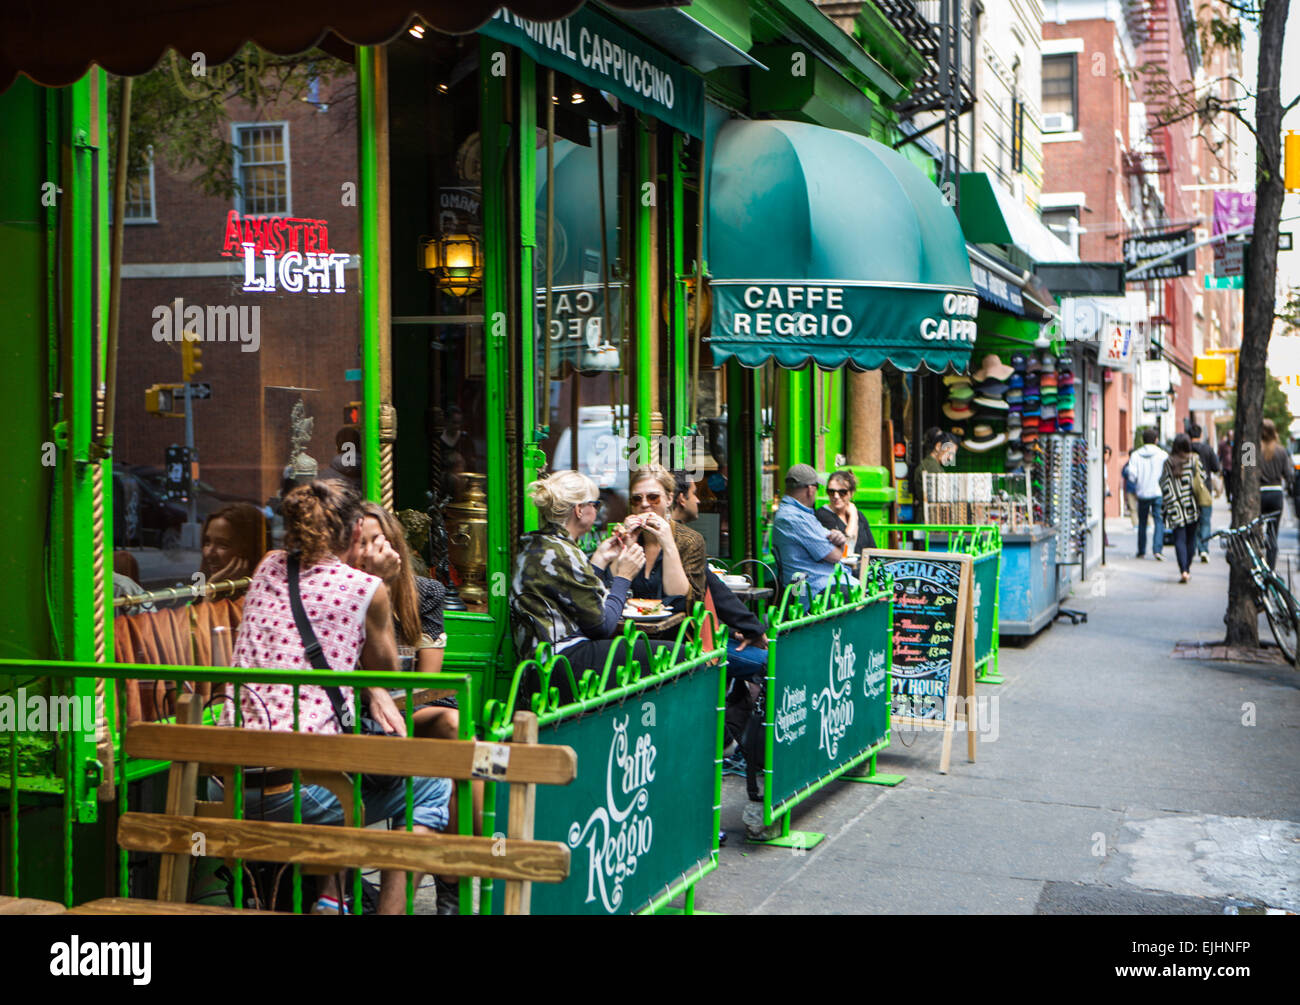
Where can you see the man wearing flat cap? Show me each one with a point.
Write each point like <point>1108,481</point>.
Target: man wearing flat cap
<point>802,543</point>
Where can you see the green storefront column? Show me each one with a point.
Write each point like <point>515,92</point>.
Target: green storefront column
<point>368,166</point>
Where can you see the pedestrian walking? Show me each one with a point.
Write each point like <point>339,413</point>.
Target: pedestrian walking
<point>1210,462</point>
<point>1179,477</point>
<point>1130,490</point>
<point>1276,477</point>
<point>1145,464</point>
<point>1225,462</point>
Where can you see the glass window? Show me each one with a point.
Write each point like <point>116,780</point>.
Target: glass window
<point>438,346</point>
<point>213,429</point>
<point>262,168</point>
<point>140,195</point>
<point>1059,85</point>
<point>583,315</point>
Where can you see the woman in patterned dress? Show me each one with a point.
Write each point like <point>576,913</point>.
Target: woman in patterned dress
<point>352,617</point>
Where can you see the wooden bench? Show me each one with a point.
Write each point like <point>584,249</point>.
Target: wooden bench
<point>193,749</point>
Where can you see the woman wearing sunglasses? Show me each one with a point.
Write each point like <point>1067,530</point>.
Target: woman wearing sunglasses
<point>675,555</point>
<point>840,514</point>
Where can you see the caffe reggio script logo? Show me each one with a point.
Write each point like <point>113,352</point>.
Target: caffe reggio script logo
<point>834,702</point>
<point>620,832</point>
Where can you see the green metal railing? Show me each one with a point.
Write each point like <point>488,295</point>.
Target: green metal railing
<point>798,609</point>
<point>620,679</point>
<point>984,544</point>
<point>64,675</point>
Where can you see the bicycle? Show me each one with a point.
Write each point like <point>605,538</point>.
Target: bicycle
<point>1247,545</point>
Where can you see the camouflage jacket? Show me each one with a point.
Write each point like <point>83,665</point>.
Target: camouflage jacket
<point>555,592</point>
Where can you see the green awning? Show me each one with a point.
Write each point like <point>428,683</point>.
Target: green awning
<point>828,247</point>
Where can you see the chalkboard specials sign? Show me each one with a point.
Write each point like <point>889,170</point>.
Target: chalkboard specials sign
<point>933,665</point>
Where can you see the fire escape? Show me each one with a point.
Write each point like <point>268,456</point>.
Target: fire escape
<point>943,32</point>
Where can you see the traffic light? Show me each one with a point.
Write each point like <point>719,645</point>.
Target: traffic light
<point>1210,371</point>
<point>352,413</point>
<point>1291,161</point>
<point>190,353</point>
<point>160,399</point>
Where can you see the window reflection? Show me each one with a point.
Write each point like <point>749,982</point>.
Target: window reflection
<point>438,336</point>
<point>229,390</point>
<point>582,343</point>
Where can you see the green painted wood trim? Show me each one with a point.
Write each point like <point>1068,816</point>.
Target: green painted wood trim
<point>744,459</point>
<point>679,335</point>
<point>643,290</point>
<point>885,43</point>
<point>800,21</point>
<point>727,18</point>
<point>530,436</point>
<point>72,538</point>
<point>368,168</point>
<point>496,304</point>
<point>794,420</point>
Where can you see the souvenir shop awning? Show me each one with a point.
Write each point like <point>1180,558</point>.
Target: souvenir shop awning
<point>55,41</point>
<point>830,248</point>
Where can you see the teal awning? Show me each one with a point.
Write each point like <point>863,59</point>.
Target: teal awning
<point>828,247</point>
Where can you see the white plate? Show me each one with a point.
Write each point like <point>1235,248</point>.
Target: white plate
<point>736,582</point>
<point>850,559</point>
<point>635,615</point>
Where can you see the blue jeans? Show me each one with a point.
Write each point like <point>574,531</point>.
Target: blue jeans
<point>319,806</point>
<point>1203,531</point>
<point>748,662</point>
<point>1152,506</point>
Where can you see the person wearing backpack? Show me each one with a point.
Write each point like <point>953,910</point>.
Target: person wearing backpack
<point>1130,491</point>
<point>1205,498</point>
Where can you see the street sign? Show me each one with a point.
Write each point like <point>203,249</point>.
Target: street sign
<point>1207,405</point>
<point>1284,241</point>
<point>200,391</point>
<point>1225,283</point>
<point>1153,376</point>
<point>1140,249</point>
<point>1229,258</point>
<point>1155,403</point>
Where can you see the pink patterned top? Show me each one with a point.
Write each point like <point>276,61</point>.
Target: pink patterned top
<point>336,597</point>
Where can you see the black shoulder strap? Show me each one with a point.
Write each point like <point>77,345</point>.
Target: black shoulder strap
<point>311,644</point>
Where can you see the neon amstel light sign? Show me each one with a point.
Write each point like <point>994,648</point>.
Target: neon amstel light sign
<point>284,253</point>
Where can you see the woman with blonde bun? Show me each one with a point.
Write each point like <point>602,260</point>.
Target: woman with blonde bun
<point>557,595</point>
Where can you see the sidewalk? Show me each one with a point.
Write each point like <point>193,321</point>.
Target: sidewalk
<point>1119,779</point>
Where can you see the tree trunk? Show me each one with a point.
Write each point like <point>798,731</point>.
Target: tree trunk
<point>1242,618</point>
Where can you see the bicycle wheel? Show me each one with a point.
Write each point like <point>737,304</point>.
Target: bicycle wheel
<point>1283,617</point>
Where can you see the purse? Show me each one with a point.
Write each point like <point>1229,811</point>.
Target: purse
<point>1200,491</point>
<point>343,711</point>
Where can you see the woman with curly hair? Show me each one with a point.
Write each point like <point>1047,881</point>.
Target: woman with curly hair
<point>351,614</point>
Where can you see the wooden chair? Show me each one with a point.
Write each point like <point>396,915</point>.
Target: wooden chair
<point>192,749</point>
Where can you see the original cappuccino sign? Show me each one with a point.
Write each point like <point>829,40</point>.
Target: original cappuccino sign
<point>863,324</point>
<point>639,815</point>
<point>831,693</point>
<point>599,53</point>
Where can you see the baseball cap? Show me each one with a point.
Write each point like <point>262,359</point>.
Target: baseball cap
<point>800,475</point>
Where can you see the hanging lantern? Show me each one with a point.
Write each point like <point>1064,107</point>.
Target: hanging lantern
<point>454,260</point>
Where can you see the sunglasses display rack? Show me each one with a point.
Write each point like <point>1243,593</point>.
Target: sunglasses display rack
<point>1065,501</point>
<point>979,498</point>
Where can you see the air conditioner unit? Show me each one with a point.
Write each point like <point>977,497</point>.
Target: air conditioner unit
<point>1058,122</point>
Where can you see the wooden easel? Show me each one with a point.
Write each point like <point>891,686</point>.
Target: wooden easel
<point>961,678</point>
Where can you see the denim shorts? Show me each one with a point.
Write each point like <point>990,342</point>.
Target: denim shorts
<point>319,806</point>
